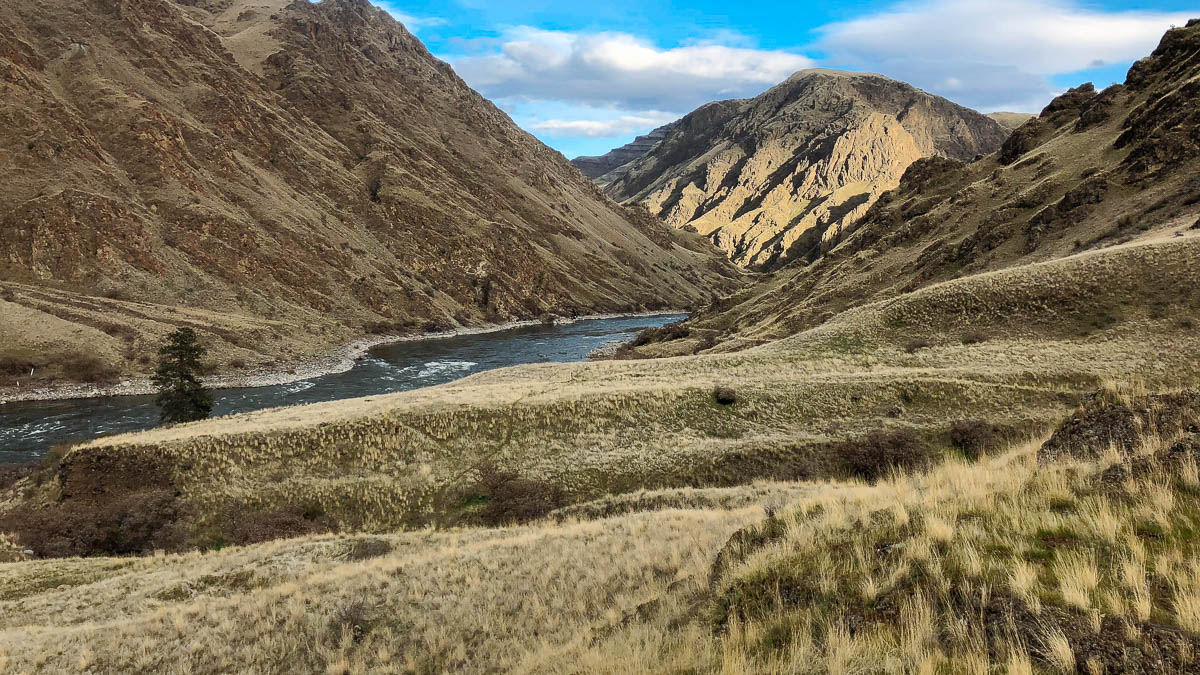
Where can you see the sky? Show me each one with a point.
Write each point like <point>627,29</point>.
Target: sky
<point>588,76</point>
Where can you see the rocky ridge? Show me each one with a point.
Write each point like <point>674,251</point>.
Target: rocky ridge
<point>610,167</point>
<point>779,176</point>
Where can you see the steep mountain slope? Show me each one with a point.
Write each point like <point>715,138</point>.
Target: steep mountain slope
<point>774,177</point>
<point>1094,170</point>
<point>604,169</point>
<point>304,170</point>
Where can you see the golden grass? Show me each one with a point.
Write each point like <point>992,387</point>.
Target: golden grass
<point>997,563</point>
<point>466,601</point>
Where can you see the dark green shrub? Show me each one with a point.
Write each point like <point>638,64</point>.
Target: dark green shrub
<point>667,333</point>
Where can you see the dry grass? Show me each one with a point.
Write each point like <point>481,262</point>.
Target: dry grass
<point>465,601</point>
<point>1034,569</point>
<point>605,428</point>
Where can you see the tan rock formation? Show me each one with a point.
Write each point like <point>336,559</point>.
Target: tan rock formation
<point>775,177</point>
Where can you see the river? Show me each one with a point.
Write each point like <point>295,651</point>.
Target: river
<point>28,429</point>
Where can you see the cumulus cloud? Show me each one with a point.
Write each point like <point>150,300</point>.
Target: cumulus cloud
<point>990,54</point>
<point>612,128</point>
<point>621,71</point>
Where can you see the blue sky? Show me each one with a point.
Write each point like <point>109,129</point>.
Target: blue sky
<point>588,76</point>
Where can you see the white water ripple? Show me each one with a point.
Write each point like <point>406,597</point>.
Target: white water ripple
<point>435,368</point>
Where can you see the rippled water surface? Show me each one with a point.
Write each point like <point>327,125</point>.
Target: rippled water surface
<point>28,429</point>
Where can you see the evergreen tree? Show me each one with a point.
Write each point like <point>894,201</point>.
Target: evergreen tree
<point>181,396</point>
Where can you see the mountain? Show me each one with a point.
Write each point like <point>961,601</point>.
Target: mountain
<point>1011,120</point>
<point>774,177</point>
<point>967,435</point>
<point>599,168</point>
<point>1096,171</point>
<point>284,176</point>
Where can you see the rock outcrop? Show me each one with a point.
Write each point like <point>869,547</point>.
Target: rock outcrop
<point>611,166</point>
<point>779,176</point>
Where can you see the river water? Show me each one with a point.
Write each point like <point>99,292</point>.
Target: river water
<point>29,429</point>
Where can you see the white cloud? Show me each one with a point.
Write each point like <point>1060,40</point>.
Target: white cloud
<point>414,23</point>
<point>991,54</point>
<point>621,71</point>
<point>612,128</point>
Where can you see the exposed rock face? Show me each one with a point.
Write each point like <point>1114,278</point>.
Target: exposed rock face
<point>310,163</point>
<point>778,176</point>
<point>604,169</point>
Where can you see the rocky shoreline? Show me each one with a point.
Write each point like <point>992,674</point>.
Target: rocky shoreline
<point>337,360</point>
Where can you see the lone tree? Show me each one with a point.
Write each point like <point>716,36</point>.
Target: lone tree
<point>181,396</point>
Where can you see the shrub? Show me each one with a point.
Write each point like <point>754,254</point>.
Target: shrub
<point>354,618</point>
<point>134,523</point>
<point>975,438</point>
<point>974,338</point>
<point>8,295</point>
<point>285,523</point>
<point>511,499</point>
<point>725,395</point>
<point>15,366</point>
<point>86,368</point>
<point>1187,323</point>
<point>667,333</point>
<point>872,457</point>
<point>917,345</point>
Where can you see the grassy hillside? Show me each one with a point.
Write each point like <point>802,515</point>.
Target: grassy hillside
<point>1012,563</point>
<point>1013,349</point>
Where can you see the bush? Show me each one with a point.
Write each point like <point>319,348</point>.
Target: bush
<point>976,438</point>
<point>917,345</point>
<point>15,366</point>
<point>873,457</point>
<point>288,522</point>
<point>1187,323</point>
<point>667,333</point>
<point>135,523</point>
<point>974,338</point>
<point>7,295</point>
<point>511,499</point>
<point>82,367</point>
<point>352,617</point>
<point>725,395</point>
